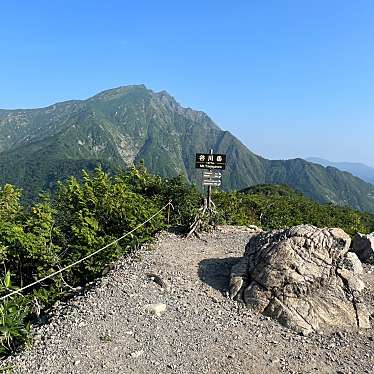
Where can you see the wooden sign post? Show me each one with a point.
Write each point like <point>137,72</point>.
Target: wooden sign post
<point>210,164</point>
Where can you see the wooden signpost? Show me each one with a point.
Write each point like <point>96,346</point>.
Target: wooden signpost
<point>211,164</point>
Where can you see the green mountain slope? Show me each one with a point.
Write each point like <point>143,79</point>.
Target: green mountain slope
<point>122,126</point>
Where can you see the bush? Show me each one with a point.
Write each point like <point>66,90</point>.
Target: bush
<point>185,197</point>
<point>84,217</point>
<point>271,208</point>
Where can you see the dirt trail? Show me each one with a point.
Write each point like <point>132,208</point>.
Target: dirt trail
<point>108,330</point>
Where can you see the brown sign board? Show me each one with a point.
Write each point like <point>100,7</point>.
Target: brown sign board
<point>210,161</point>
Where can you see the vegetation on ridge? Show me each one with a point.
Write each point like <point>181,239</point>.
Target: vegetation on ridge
<point>279,206</point>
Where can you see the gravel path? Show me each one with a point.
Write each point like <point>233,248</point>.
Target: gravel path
<point>107,328</point>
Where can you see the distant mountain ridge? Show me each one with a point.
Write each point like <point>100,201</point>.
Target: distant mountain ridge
<point>121,126</point>
<point>358,169</point>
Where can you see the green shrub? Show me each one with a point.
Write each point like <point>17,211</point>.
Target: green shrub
<point>95,212</point>
<point>273,207</point>
<point>185,197</point>
<point>14,327</point>
<point>84,217</point>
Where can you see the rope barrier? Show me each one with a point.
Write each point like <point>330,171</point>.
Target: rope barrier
<point>86,257</point>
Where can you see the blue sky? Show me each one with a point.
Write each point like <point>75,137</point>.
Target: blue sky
<point>289,78</point>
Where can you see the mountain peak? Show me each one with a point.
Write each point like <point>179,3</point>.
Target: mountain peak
<point>124,125</point>
<point>114,93</point>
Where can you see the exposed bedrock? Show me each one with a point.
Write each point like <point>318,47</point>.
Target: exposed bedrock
<point>304,277</point>
<point>363,246</point>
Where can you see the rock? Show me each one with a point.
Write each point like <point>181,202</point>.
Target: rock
<point>156,309</point>
<point>363,246</point>
<point>304,277</point>
<point>352,263</point>
<point>254,228</point>
<point>236,284</point>
<point>137,354</point>
<point>215,300</point>
<point>158,280</point>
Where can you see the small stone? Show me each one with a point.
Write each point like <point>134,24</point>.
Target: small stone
<point>156,309</point>
<point>137,354</point>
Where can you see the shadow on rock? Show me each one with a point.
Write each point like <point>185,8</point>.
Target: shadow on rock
<point>216,272</point>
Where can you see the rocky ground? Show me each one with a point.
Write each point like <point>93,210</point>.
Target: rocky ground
<point>108,328</point>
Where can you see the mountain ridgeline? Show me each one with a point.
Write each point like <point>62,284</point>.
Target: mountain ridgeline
<point>358,169</point>
<point>123,126</point>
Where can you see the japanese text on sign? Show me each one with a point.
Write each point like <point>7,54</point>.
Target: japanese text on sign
<point>210,161</point>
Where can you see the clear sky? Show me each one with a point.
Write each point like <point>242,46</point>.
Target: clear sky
<point>289,78</point>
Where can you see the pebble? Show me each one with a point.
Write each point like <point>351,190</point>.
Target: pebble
<point>156,309</point>
<point>137,354</point>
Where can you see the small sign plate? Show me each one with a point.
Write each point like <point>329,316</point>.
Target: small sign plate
<point>212,178</point>
<point>216,183</point>
<point>212,174</point>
